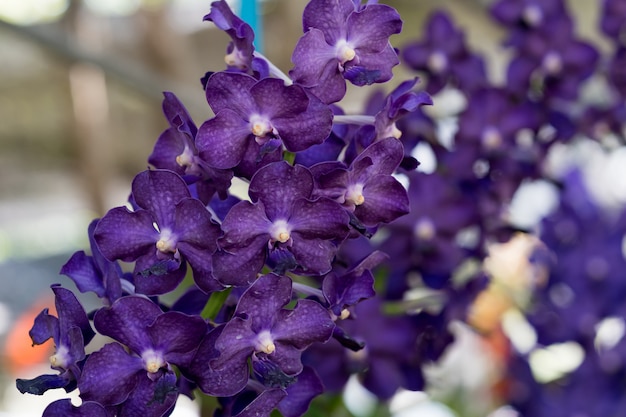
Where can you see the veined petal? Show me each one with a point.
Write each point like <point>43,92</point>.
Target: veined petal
<point>231,90</point>
<point>109,375</point>
<point>127,321</point>
<point>277,185</point>
<point>369,29</point>
<point>321,218</point>
<point>329,16</point>
<point>122,234</point>
<point>311,55</point>
<point>158,191</point>
<point>385,200</point>
<point>176,333</point>
<point>314,256</point>
<point>221,141</point>
<point>275,99</point>
<point>262,301</point>
<point>307,323</point>
<point>240,268</point>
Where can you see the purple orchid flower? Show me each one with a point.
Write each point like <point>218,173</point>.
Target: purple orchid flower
<point>168,229</point>
<point>140,378</point>
<point>96,273</point>
<point>444,57</point>
<point>261,329</point>
<point>71,332</point>
<point>253,119</point>
<point>527,14</point>
<point>554,59</point>
<point>367,187</point>
<point>613,20</point>
<point>175,150</point>
<point>342,43</point>
<point>284,222</point>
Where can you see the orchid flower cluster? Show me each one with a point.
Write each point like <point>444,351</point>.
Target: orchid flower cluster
<point>345,258</point>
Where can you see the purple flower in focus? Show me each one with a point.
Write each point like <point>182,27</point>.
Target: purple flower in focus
<point>255,118</point>
<point>175,150</point>
<point>342,43</point>
<point>140,378</point>
<point>168,229</point>
<point>367,188</point>
<point>261,329</point>
<point>443,55</point>
<point>95,273</point>
<point>71,332</point>
<point>284,222</point>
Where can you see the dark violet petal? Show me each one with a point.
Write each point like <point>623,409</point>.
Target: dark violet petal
<point>385,200</point>
<point>311,56</point>
<point>380,63</point>
<point>220,381</point>
<point>244,223</point>
<point>369,30</point>
<point>278,185</point>
<point>263,405</point>
<point>276,100</point>
<point>154,276</point>
<point>125,235</point>
<point>314,256</point>
<point>262,301</point>
<point>177,115</point>
<point>347,290</point>
<point>300,394</point>
<point>361,76</point>
<point>41,384</point>
<point>319,219</point>
<point>192,302</point>
<point>331,86</point>
<point>65,408</point>
<point>222,140</point>
<point>175,332</point>
<point>308,128</point>
<point>386,155</point>
<point>307,323</point>
<point>127,321</point>
<point>168,146</point>
<point>329,16</point>
<point>81,269</point>
<point>71,314</point>
<point>151,398</point>
<point>45,327</point>
<point>231,90</point>
<point>287,357</point>
<point>158,191</point>
<point>383,377</point>
<point>241,267</point>
<point>110,375</point>
<point>193,225</point>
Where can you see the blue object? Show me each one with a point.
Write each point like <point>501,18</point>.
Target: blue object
<point>249,13</point>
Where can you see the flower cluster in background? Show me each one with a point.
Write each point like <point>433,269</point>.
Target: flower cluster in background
<point>344,257</point>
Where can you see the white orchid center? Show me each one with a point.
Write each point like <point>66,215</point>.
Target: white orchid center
<point>166,242</point>
<point>437,62</point>
<point>354,194</point>
<point>424,229</point>
<point>61,358</point>
<point>260,126</point>
<point>235,59</point>
<point>344,51</point>
<point>552,63</point>
<point>265,343</point>
<point>152,361</point>
<point>185,159</point>
<point>491,138</point>
<point>280,231</point>
<point>532,15</point>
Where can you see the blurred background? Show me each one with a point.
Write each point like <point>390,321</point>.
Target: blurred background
<point>81,85</point>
